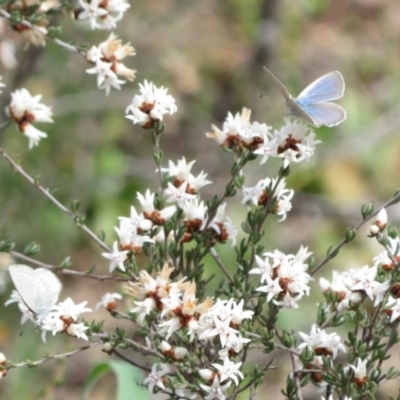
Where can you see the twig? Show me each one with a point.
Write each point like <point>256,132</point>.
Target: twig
<point>336,249</point>
<point>66,271</point>
<point>48,358</point>
<point>217,259</point>
<point>130,361</point>
<point>64,209</point>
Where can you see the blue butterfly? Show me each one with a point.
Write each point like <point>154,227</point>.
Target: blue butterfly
<point>314,103</point>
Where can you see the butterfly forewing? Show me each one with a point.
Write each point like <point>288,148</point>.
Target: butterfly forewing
<point>327,88</point>
<point>38,288</point>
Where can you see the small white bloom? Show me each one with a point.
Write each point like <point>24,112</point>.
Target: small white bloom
<point>117,258</point>
<point>322,342</point>
<point>25,109</point>
<point>150,105</point>
<point>360,370</point>
<point>295,142</point>
<point>155,377</point>
<point>68,309</point>
<point>108,301</point>
<point>229,370</point>
<point>215,391</point>
<point>107,59</point>
<point>178,194</point>
<point>393,305</point>
<point>144,308</point>
<point>103,14</point>
<point>77,330</point>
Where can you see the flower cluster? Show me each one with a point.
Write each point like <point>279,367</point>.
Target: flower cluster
<point>107,57</point>
<point>149,107</point>
<point>35,33</point>
<point>353,286</point>
<point>182,184</point>
<point>63,318</point>
<point>283,277</point>
<point>238,133</point>
<point>323,344</point>
<point>103,14</point>
<point>173,307</point>
<point>25,109</point>
<point>273,191</point>
<point>294,142</point>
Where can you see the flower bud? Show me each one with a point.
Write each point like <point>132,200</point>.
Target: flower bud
<point>206,374</point>
<point>3,359</point>
<point>107,348</point>
<point>374,230</point>
<point>179,353</point>
<point>381,219</point>
<point>165,347</point>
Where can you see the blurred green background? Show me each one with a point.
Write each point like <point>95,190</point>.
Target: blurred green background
<point>210,56</point>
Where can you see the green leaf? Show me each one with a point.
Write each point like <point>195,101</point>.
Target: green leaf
<point>127,378</point>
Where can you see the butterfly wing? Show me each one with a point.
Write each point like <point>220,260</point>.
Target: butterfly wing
<point>38,288</point>
<point>325,113</point>
<point>279,84</point>
<point>327,88</point>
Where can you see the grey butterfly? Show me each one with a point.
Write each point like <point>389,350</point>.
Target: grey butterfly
<point>314,103</point>
<point>39,288</point>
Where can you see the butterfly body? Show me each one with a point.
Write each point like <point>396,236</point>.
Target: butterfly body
<point>315,103</point>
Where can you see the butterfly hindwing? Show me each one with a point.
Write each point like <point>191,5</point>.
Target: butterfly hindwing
<point>325,113</point>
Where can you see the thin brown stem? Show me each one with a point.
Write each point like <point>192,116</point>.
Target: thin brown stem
<point>336,249</point>
<point>53,357</point>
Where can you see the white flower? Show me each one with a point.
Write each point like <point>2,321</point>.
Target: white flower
<point>107,63</point>
<point>155,377</point>
<point>284,276</point>
<point>68,309</point>
<point>360,370</point>
<point>238,132</point>
<point>144,308</point>
<point>108,301</point>
<point>229,370</point>
<point>267,148</point>
<point>150,105</point>
<point>103,14</point>
<point>106,77</point>
<point>223,226</point>
<point>393,305</point>
<point>385,259</point>
<point>295,142</point>
<point>77,330</point>
<point>259,195</point>
<point>1,84</point>
<point>178,194</point>
<point>25,109</point>
<point>322,342</point>
<point>181,174</point>
<point>117,258</point>
<point>381,219</point>
<point>136,220</point>
<point>215,391</point>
